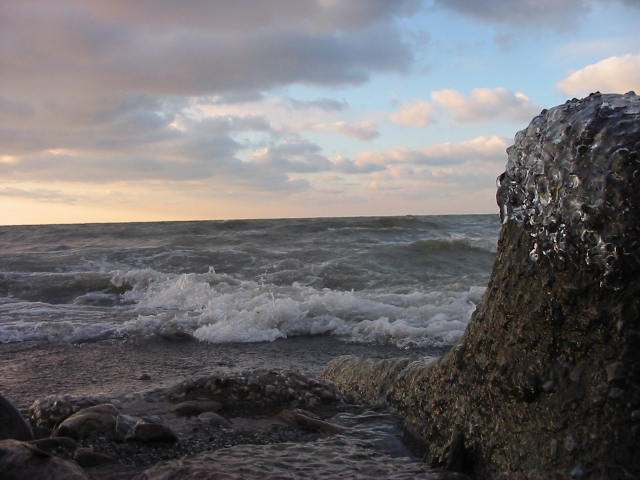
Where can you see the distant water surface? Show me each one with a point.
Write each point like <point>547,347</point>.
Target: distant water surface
<point>403,281</point>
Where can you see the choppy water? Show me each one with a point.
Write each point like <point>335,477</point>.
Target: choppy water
<point>406,281</point>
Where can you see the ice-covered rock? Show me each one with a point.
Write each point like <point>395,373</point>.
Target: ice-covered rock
<point>546,379</point>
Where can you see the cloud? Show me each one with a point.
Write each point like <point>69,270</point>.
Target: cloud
<point>208,48</point>
<point>231,17</point>
<point>481,149</point>
<point>326,104</point>
<point>486,103</point>
<point>415,113</point>
<point>297,156</point>
<point>611,75</point>
<point>41,195</point>
<point>359,131</point>
<point>359,166</point>
<point>539,13</point>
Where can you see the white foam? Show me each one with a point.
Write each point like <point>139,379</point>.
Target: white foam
<point>216,308</point>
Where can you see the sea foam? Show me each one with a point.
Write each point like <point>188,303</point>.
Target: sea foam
<point>217,308</point>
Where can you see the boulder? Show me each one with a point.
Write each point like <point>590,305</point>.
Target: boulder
<point>22,461</point>
<point>99,420</point>
<point>545,382</point>
<point>47,412</point>
<point>12,425</point>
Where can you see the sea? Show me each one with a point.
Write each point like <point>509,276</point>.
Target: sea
<point>406,281</point>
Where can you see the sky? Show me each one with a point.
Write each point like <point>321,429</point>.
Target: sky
<point>148,110</point>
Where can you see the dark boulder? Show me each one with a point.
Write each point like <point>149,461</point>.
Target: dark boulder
<point>546,379</point>
<point>22,461</point>
<point>12,425</point>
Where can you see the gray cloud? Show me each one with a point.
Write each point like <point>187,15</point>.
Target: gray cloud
<point>100,91</point>
<point>101,45</point>
<point>540,12</point>
<point>326,104</point>
<point>556,14</point>
<point>297,156</point>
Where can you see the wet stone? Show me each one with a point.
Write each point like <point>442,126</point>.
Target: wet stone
<point>151,432</point>
<point>615,371</point>
<point>88,458</point>
<point>192,408</point>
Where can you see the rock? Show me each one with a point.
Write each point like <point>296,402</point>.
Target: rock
<point>615,371</point>
<point>560,317</point>
<point>22,461</point>
<point>47,412</point>
<point>151,432</point>
<point>307,422</point>
<point>60,446</point>
<point>86,457</point>
<point>214,420</point>
<point>145,377</point>
<point>12,425</point>
<point>192,408</point>
<point>124,424</point>
<point>99,420</point>
<point>258,392</point>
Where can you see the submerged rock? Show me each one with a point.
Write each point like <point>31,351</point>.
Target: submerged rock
<point>547,374</point>
<point>333,459</point>
<point>252,392</point>
<point>12,425</point>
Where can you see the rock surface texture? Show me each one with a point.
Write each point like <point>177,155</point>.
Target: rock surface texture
<point>12,425</point>
<point>545,382</point>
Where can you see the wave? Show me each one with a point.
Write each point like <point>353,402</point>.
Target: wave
<point>478,245</point>
<point>217,308</point>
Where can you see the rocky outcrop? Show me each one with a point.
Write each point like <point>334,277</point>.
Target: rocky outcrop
<point>545,382</point>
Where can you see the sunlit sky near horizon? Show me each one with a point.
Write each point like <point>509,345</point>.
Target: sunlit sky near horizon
<point>119,110</point>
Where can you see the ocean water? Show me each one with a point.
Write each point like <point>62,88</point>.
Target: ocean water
<point>408,281</point>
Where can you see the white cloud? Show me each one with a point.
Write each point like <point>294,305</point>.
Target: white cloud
<point>486,103</point>
<point>359,131</point>
<point>611,75</point>
<point>415,113</point>
<point>480,149</point>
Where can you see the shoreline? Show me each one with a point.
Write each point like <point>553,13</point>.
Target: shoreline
<point>30,370</point>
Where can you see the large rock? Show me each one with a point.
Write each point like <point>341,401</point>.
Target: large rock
<point>99,420</point>
<point>546,379</point>
<point>22,461</point>
<point>12,425</point>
